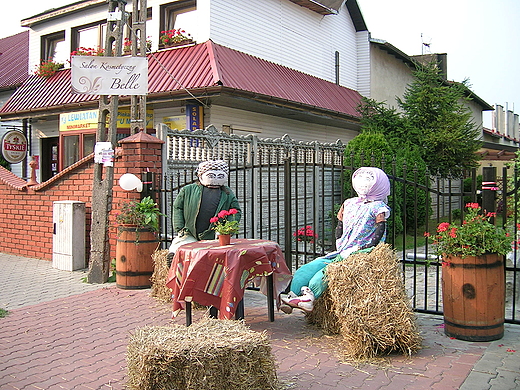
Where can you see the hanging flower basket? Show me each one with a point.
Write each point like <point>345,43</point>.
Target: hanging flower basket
<point>88,51</point>
<point>181,43</point>
<point>127,46</point>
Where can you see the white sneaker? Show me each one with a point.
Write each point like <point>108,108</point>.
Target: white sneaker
<point>288,296</point>
<point>306,291</point>
<point>304,302</point>
<point>285,298</point>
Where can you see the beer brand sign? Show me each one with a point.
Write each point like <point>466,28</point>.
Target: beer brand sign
<point>14,146</point>
<point>99,75</point>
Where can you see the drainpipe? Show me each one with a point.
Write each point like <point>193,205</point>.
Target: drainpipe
<point>336,65</point>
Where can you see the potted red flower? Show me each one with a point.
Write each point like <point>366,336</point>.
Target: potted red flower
<point>174,37</point>
<point>225,225</point>
<point>48,68</point>
<point>473,275</point>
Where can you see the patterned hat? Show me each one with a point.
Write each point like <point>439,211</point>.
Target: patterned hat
<point>213,165</point>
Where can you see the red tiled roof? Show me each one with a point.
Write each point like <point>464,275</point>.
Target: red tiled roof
<point>12,180</point>
<point>202,66</point>
<point>14,57</point>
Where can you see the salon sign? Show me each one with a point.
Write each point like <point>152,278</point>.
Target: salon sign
<point>14,146</point>
<point>99,75</point>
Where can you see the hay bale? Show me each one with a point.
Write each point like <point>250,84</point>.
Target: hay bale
<point>366,302</point>
<point>210,354</point>
<point>160,274</point>
<point>323,314</point>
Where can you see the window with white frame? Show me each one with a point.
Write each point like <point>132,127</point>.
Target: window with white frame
<point>53,48</point>
<point>179,14</point>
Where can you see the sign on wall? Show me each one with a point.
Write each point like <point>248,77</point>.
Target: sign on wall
<point>124,121</point>
<point>88,120</point>
<point>79,120</point>
<point>177,122</point>
<point>99,75</point>
<point>14,146</point>
<point>194,116</point>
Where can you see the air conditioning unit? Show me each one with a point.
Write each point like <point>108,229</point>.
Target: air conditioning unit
<point>68,244</point>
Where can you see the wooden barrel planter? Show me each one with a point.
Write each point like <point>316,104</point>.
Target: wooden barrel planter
<point>134,265</point>
<point>473,296</point>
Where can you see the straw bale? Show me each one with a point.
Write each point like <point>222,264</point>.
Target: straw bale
<point>160,274</point>
<point>210,354</point>
<point>323,314</point>
<point>366,303</point>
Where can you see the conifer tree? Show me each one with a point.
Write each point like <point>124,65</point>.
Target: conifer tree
<point>438,122</point>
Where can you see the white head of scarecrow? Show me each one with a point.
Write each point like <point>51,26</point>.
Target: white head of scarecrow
<point>213,173</point>
<point>371,184</point>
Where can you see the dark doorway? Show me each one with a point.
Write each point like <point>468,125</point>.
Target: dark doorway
<point>49,158</point>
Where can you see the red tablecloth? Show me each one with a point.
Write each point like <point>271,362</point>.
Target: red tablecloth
<point>214,275</point>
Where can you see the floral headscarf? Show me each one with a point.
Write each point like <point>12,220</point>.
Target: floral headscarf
<point>379,189</point>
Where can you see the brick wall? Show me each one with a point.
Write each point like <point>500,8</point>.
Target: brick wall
<point>26,224</point>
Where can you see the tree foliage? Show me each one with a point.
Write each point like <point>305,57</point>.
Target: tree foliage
<point>371,148</point>
<point>408,202</point>
<point>433,134</point>
<point>438,122</point>
<point>4,163</point>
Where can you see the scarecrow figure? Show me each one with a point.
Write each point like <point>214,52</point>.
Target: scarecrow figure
<point>197,203</point>
<point>363,221</point>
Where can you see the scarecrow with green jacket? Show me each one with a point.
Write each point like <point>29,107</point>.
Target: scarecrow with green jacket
<point>197,203</point>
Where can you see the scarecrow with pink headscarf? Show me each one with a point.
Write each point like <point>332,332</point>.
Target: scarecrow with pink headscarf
<point>363,221</point>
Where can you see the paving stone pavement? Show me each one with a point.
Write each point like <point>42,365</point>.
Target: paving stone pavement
<point>62,333</point>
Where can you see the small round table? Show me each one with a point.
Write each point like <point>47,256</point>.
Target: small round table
<point>215,275</point>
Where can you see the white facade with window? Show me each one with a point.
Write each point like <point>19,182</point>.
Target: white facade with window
<point>275,30</point>
<point>334,47</point>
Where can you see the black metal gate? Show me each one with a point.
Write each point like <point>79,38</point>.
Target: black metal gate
<point>285,185</point>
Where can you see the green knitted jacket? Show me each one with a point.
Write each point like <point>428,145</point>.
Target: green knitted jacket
<point>187,204</point>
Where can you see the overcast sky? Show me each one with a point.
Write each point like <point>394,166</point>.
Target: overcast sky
<point>479,36</point>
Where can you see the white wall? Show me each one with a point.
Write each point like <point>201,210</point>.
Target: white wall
<point>268,126</point>
<point>276,30</point>
<point>65,22</point>
<point>285,33</point>
<point>363,63</point>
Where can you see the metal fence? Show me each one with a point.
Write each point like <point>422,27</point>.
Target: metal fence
<point>283,185</point>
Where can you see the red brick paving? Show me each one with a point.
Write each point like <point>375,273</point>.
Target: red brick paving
<point>79,342</point>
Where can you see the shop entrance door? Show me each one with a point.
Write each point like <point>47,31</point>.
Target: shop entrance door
<point>49,158</point>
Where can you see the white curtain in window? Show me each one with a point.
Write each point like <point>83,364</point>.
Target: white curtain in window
<point>186,21</point>
<point>88,37</point>
<point>60,52</point>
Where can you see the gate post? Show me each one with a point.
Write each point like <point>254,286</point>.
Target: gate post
<point>287,212</point>
<point>489,187</point>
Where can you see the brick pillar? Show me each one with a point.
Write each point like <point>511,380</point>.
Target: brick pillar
<point>138,154</point>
